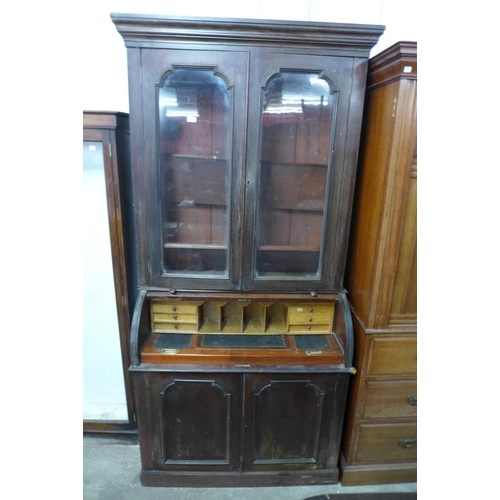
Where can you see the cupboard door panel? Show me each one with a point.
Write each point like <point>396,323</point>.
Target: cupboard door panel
<point>404,299</point>
<point>280,433</point>
<point>197,421</point>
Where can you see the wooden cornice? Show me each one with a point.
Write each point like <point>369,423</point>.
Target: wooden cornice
<point>103,119</point>
<point>141,30</point>
<point>397,62</point>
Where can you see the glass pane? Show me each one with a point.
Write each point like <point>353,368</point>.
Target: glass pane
<point>194,140</point>
<point>103,384</point>
<point>295,151</point>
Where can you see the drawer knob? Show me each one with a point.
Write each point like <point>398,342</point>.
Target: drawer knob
<point>412,400</point>
<point>175,316</point>
<point>407,443</point>
<point>174,308</point>
<point>176,325</point>
<point>308,327</point>
<point>310,319</point>
<point>310,309</point>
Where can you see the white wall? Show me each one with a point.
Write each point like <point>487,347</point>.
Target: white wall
<point>105,79</point>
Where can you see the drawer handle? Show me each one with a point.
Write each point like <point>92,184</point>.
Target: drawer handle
<point>408,443</point>
<point>412,400</point>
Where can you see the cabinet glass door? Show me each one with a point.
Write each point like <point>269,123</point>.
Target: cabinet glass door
<point>193,108</point>
<point>299,178</point>
<point>296,132</point>
<point>193,165</point>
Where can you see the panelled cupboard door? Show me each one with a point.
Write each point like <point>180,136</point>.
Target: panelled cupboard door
<point>287,422</point>
<point>196,422</point>
<point>193,154</point>
<point>298,116</point>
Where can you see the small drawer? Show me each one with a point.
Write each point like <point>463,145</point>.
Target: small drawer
<point>175,318</point>
<point>390,399</point>
<point>386,442</point>
<point>172,308</point>
<point>310,314</point>
<point>309,318</point>
<point>309,328</point>
<point>310,308</point>
<point>393,355</point>
<point>175,327</point>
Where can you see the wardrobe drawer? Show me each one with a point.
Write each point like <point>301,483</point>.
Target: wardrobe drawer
<point>393,356</point>
<point>390,399</point>
<point>386,442</point>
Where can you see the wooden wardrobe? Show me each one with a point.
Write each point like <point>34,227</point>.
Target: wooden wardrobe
<point>379,441</point>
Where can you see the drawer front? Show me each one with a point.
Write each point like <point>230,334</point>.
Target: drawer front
<point>393,356</point>
<point>175,318</point>
<point>169,308</point>
<point>390,399</point>
<point>386,442</point>
<point>175,328</point>
<point>309,328</point>
<point>309,318</point>
<point>310,308</point>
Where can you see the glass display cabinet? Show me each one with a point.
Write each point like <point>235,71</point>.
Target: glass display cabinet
<point>108,404</point>
<point>244,139</point>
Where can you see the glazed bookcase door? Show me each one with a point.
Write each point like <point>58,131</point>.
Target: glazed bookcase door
<point>194,163</point>
<point>295,175</point>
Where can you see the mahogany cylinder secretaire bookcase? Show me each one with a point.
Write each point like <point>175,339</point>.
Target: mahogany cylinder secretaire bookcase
<point>380,436</point>
<point>244,141</point>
